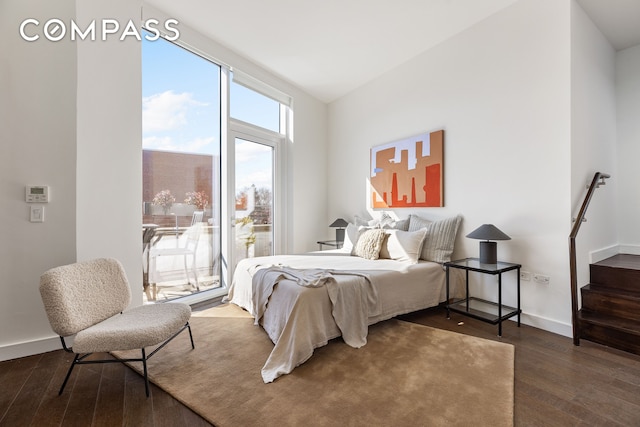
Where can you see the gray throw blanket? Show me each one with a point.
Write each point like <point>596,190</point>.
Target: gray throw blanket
<point>353,301</point>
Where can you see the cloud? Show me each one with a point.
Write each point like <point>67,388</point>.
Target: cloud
<point>261,179</point>
<point>253,165</point>
<point>167,110</point>
<point>247,151</point>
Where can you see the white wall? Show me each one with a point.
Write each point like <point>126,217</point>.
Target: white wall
<point>37,146</point>
<point>501,92</point>
<point>71,118</point>
<point>593,137</point>
<point>109,145</point>
<point>628,173</point>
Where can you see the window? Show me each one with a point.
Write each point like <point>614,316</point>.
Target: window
<point>181,171</point>
<point>197,161</point>
<point>252,107</point>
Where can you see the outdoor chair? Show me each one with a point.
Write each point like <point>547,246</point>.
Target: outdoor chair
<point>197,217</point>
<point>89,300</point>
<point>187,249</point>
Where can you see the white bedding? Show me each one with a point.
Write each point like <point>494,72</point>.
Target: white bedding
<point>299,319</point>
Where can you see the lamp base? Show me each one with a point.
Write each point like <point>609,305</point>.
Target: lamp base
<point>488,252</point>
<point>340,235</point>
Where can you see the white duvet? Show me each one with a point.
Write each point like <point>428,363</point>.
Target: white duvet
<point>299,317</point>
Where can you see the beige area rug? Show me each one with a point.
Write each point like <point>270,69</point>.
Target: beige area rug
<point>406,375</point>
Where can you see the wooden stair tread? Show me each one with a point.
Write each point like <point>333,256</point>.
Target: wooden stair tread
<point>631,262</point>
<point>626,325</point>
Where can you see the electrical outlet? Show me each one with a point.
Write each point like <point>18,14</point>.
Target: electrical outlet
<point>525,275</point>
<point>541,278</point>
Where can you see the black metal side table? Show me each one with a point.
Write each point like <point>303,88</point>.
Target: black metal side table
<point>334,243</point>
<point>486,311</point>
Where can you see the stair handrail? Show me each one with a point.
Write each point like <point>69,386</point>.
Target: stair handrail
<point>596,182</point>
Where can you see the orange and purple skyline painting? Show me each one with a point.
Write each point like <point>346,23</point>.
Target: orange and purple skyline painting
<point>408,173</point>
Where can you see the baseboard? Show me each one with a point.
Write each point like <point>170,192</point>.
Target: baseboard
<point>550,325</point>
<point>629,249</point>
<point>23,349</point>
<point>604,253</point>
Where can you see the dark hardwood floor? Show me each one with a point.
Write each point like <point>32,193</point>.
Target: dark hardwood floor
<point>97,395</point>
<point>556,384</point>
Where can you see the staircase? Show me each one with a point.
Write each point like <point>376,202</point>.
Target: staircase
<point>610,313</point>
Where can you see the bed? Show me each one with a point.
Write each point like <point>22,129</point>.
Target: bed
<point>303,301</point>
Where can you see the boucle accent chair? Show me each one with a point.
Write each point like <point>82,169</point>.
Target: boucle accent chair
<point>88,299</point>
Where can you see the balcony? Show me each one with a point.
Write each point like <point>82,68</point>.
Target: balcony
<point>166,279</point>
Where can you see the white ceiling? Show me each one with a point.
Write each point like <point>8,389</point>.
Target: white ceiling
<point>346,43</point>
<point>618,20</point>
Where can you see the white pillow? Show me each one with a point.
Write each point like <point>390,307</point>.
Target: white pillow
<point>369,244</point>
<point>350,237</point>
<point>403,245</point>
<point>362,222</point>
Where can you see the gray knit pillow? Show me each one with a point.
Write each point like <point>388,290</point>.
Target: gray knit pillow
<point>369,244</point>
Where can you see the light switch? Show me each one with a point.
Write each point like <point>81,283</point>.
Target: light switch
<point>37,214</point>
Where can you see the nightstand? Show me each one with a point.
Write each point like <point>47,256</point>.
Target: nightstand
<point>333,243</point>
<point>480,309</point>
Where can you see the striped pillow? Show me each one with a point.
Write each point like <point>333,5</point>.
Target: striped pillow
<point>440,239</point>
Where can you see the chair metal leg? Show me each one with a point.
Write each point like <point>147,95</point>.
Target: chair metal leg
<point>190,336</point>
<point>146,374</point>
<point>79,359</point>
<point>64,383</point>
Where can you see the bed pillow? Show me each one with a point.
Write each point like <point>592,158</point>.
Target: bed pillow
<point>416,223</point>
<point>369,244</point>
<point>384,221</point>
<point>362,222</point>
<point>350,237</point>
<point>440,238</point>
<point>403,245</point>
<point>401,224</point>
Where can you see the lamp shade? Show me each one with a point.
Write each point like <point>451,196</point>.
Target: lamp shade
<point>339,223</point>
<point>488,249</point>
<point>488,232</point>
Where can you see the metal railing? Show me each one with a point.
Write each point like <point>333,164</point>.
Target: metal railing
<point>596,182</point>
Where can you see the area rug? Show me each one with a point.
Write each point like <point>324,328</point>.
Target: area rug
<point>406,375</point>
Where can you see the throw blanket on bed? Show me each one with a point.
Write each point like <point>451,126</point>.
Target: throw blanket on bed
<point>353,301</point>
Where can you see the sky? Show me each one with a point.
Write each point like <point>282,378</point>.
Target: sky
<point>181,110</point>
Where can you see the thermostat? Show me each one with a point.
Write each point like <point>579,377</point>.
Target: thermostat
<point>37,194</point>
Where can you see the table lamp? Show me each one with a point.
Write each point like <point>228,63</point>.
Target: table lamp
<point>339,224</point>
<point>488,232</point>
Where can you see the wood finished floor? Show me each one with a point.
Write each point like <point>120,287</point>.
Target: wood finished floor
<point>557,384</point>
